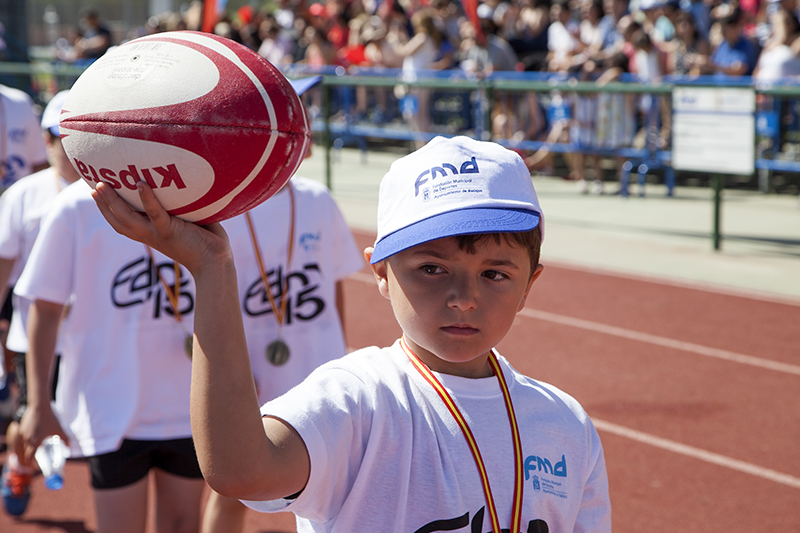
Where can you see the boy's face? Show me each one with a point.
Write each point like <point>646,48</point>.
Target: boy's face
<point>454,306</point>
<point>57,157</point>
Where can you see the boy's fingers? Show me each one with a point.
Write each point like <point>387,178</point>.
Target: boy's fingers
<point>182,241</point>
<point>153,208</point>
<point>119,214</point>
<point>104,207</point>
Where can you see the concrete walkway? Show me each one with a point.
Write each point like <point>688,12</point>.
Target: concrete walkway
<point>669,239</point>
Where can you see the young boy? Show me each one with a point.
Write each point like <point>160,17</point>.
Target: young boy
<point>124,373</point>
<point>435,433</point>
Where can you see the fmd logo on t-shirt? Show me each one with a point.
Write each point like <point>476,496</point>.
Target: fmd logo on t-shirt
<point>550,476</point>
<point>11,171</point>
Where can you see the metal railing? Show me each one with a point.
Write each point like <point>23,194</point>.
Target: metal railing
<point>359,104</point>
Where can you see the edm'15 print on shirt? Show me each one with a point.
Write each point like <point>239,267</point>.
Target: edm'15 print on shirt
<point>137,283</point>
<point>304,297</point>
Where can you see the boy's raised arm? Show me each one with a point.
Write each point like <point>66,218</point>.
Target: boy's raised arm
<point>241,455</point>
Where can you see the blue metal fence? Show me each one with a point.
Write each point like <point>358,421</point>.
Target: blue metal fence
<point>356,105</point>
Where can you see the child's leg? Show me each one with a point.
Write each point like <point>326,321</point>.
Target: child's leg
<point>177,502</point>
<point>119,480</point>
<point>361,101</point>
<point>223,514</point>
<point>17,472</point>
<point>597,185</point>
<point>13,435</point>
<point>122,510</point>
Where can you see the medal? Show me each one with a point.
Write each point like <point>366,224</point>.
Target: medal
<point>188,345</point>
<point>277,352</point>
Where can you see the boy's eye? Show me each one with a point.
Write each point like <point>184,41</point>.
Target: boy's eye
<point>494,275</point>
<point>430,269</point>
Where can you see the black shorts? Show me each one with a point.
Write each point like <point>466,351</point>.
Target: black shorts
<point>134,459</point>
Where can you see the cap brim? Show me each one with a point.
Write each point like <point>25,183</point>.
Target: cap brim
<point>452,223</point>
<point>301,85</point>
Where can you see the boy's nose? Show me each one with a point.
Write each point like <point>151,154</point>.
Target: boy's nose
<point>463,294</point>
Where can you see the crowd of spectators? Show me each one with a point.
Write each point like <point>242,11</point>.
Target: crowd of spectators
<point>591,40</point>
<point>656,37</point>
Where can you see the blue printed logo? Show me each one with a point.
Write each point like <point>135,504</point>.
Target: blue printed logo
<point>467,167</point>
<point>541,464</point>
<point>309,241</point>
<point>546,480</point>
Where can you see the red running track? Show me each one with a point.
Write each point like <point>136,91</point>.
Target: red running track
<point>696,396</point>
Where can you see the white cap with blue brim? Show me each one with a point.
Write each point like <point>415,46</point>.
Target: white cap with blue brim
<point>452,187</point>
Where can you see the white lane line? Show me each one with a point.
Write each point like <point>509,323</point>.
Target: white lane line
<point>699,349</point>
<point>691,347</point>
<point>658,442</point>
<point>696,285</point>
<point>697,453</point>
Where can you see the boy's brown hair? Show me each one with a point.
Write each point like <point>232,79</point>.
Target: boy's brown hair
<point>529,240</point>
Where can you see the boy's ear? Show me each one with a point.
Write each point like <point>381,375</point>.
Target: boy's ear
<point>380,271</point>
<point>536,273</point>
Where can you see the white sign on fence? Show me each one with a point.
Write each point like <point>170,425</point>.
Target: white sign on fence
<point>713,129</point>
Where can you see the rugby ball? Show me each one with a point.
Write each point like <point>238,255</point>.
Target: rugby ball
<point>210,125</point>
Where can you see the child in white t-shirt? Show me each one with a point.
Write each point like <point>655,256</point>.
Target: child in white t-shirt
<point>122,399</point>
<point>435,433</point>
<point>22,207</point>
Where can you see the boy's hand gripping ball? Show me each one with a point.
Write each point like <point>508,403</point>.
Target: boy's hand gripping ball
<point>211,126</point>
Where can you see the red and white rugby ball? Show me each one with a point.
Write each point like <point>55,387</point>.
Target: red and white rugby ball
<point>214,128</point>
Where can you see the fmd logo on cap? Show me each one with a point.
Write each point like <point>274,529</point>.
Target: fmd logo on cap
<point>454,187</point>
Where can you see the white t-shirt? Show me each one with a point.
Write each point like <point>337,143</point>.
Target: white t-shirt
<point>561,39</point>
<point>422,59</point>
<point>777,63</point>
<point>324,252</point>
<point>387,455</point>
<point>124,370</point>
<point>21,141</point>
<point>22,207</point>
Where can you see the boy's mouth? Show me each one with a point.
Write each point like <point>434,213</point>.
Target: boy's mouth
<point>460,329</point>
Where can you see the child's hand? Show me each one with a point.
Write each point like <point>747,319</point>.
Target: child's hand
<point>189,244</point>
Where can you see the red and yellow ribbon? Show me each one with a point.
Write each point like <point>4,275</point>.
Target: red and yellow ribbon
<point>516,514</point>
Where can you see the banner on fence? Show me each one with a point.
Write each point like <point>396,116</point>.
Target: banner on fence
<point>714,129</point>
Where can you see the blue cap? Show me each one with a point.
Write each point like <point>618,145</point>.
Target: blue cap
<point>301,85</point>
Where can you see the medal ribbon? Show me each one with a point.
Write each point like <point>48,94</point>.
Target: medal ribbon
<point>280,314</point>
<point>172,293</point>
<point>516,514</point>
